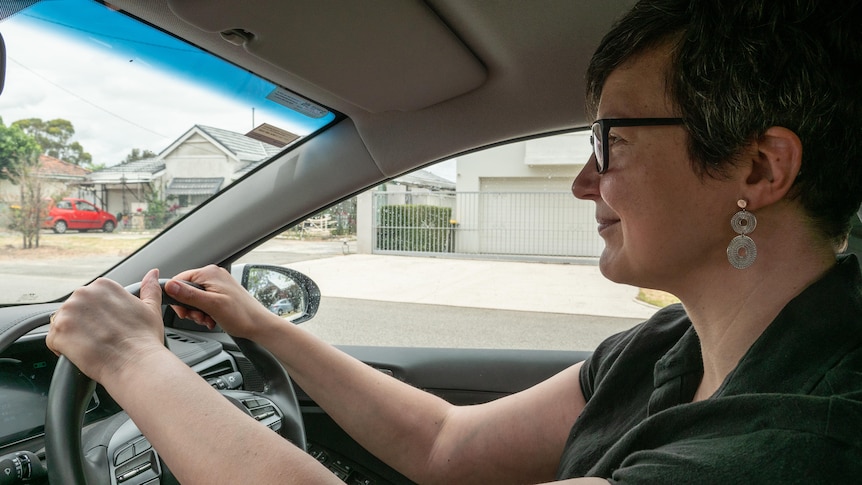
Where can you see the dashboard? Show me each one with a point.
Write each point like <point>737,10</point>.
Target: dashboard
<point>25,376</point>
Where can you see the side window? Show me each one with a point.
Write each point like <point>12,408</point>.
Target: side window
<point>83,206</point>
<point>489,250</point>
<point>64,204</point>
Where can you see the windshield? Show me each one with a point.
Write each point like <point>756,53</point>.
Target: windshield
<point>111,130</point>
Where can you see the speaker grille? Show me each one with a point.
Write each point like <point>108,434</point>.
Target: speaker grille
<point>252,380</point>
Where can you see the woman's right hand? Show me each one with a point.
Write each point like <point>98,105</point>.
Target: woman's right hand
<point>222,301</point>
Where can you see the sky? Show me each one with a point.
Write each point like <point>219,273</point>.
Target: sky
<point>446,169</point>
<point>109,90</point>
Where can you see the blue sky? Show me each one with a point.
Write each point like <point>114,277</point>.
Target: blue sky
<point>129,106</point>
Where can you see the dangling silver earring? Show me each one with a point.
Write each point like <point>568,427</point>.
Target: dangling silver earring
<point>742,251</point>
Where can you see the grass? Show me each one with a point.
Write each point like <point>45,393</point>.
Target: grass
<point>656,297</point>
<point>71,245</point>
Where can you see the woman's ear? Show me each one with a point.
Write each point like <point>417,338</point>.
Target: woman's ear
<point>776,160</point>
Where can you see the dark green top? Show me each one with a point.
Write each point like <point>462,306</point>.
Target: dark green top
<point>790,412</point>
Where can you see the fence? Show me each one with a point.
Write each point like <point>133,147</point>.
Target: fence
<point>486,223</point>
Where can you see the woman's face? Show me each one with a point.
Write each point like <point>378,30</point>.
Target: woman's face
<point>661,223</point>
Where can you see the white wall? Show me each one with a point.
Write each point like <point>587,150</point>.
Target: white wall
<point>557,156</point>
<point>364,223</point>
<point>197,156</point>
<point>552,222</point>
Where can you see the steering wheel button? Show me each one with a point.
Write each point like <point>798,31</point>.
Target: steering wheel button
<point>142,446</point>
<point>124,455</point>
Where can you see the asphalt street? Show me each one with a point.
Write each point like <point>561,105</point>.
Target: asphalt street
<point>368,322</point>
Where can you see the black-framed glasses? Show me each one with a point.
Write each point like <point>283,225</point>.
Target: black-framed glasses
<point>601,128</point>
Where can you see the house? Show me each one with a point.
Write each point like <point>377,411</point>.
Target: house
<point>512,200</point>
<point>184,171</point>
<point>125,187</point>
<point>419,187</point>
<point>57,177</point>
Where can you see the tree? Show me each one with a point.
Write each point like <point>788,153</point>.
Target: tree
<point>27,219</point>
<point>159,212</point>
<point>74,153</point>
<point>19,158</point>
<point>54,137</point>
<point>16,149</point>
<point>138,154</point>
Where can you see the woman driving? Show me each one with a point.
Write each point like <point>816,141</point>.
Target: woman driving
<point>725,170</point>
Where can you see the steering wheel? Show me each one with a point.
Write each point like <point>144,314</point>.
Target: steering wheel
<point>109,456</point>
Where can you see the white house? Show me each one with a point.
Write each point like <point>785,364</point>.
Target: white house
<point>176,173</point>
<point>126,187</point>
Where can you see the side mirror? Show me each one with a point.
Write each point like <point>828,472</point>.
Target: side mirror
<point>284,291</point>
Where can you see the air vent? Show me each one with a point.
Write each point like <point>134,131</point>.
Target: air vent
<point>217,370</point>
<point>181,338</point>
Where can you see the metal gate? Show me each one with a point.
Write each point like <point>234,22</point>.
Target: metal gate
<point>553,224</point>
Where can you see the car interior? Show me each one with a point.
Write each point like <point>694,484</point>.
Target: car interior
<point>390,87</point>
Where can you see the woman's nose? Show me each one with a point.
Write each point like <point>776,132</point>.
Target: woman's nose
<point>586,183</point>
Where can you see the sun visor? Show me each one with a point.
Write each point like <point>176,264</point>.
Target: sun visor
<point>385,55</point>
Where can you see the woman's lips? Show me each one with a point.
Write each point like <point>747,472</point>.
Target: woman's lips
<point>606,223</point>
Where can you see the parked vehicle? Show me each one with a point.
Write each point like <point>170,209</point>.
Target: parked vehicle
<point>281,307</point>
<point>78,215</point>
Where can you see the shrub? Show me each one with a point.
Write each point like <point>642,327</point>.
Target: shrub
<point>424,228</point>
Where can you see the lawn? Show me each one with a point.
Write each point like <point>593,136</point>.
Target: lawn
<point>71,245</point>
<point>656,297</point>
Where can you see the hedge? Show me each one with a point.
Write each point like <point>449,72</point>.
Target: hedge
<point>421,228</point>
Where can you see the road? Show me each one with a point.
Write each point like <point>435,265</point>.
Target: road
<point>359,322</point>
<point>449,320</point>
<point>28,281</point>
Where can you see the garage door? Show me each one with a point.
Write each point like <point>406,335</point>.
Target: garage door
<point>536,216</point>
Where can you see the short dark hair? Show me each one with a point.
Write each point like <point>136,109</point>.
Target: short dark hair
<point>739,68</point>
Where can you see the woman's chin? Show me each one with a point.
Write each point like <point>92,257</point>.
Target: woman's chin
<point>609,265</point>
<point>617,268</point>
